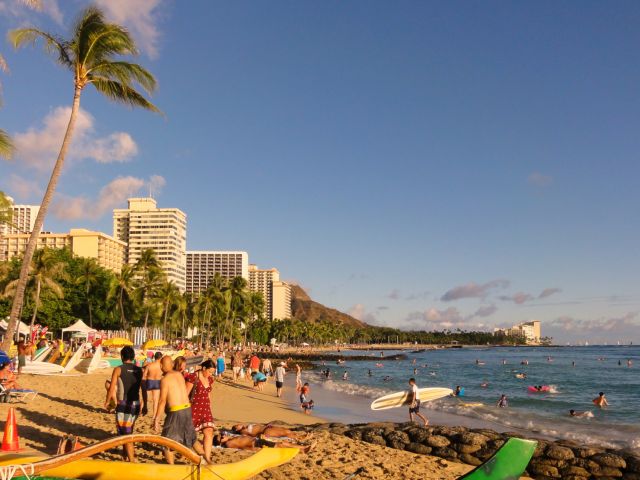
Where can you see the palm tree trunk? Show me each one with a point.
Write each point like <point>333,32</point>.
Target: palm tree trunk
<point>18,299</point>
<point>35,308</point>
<point>164,324</point>
<point>89,306</point>
<point>120,302</point>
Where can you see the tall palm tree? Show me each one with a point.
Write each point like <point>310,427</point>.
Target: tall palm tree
<point>45,272</point>
<point>89,278</point>
<point>238,296</point>
<point>254,310</point>
<point>152,280</point>
<point>121,290</point>
<point>167,294</point>
<point>6,147</point>
<point>92,55</point>
<point>6,213</point>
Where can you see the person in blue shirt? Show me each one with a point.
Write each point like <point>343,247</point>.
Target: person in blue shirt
<point>259,379</point>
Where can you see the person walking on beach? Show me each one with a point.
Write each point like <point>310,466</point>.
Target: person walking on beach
<point>254,363</point>
<point>236,364</point>
<point>178,424</point>
<point>414,402</point>
<point>279,375</point>
<point>125,386</point>
<point>267,368</point>
<point>24,349</point>
<point>600,400</point>
<point>151,377</point>
<point>220,366</point>
<point>298,378</point>
<point>199,388</point>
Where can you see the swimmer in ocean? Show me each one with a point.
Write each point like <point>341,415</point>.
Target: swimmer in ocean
<point>573,413</point>
<point>369,373</point>
<point>502,403</point>
<point>600,400</point>
<point>415,371</point>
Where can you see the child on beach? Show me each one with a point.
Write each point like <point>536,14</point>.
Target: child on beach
<point>414,402</point>
<point>305,403</point>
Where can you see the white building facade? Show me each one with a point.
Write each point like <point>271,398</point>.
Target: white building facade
<point>203,265</point>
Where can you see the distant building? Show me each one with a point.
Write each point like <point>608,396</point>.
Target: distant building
<point>108,251</point>
<point>144,226</point>
<point>203,265</point>
<point>23,219</point>
<point>530,331</point>
<point>276,294</point>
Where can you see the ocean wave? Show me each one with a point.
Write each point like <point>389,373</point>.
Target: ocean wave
<point>354,389</point>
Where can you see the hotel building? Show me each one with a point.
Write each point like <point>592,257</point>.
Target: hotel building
<point>108,251</point>
<point>143,225</point>
<point>530,331</point>
<point>23,219</point>
<point>203,265</point>
<point>276,294</point>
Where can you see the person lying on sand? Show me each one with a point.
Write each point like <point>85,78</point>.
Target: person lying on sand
<point>257,429</point>
<point>244,442</point>
<point>7,377</point>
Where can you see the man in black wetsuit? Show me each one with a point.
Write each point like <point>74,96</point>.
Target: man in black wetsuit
<point>126,383</point>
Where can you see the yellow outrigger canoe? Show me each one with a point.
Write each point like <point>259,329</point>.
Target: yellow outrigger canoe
<point>77,465</point>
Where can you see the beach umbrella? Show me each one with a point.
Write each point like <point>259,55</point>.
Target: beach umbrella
<point>117,342</point>
<point>153,344</point>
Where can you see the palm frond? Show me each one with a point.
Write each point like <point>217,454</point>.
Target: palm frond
<point>6,147</point>
<point>122,93</point>
<point>53,45</point>
<point>125,72</point>
<point>104,42</point>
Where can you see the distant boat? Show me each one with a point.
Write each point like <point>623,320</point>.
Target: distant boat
<point>586,344</point>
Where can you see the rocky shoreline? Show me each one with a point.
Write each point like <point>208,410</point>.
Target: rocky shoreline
<point>552,459</point>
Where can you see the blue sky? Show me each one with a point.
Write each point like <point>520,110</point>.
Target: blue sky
<point>416,164</point>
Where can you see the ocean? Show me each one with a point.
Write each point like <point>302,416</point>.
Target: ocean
<point>572,386</point>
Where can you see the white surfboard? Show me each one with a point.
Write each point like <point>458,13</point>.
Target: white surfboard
<point>399,399</point>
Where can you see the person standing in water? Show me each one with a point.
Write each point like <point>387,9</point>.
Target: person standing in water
<point>502,403</point>
<point>414,402</point>
<point>298,378</point>
<point>600,400</point>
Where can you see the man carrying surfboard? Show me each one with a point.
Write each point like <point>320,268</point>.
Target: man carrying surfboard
<point>414,402</point>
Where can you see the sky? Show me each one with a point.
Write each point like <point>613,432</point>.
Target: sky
<point>423,165</point>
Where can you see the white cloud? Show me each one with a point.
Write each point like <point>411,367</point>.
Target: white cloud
<point>39,147</point>
<point>485,311</point>
<point>23,188</point>
<point>473,290</point>
<point>22,9</point>
<point>623,328</point>
<point>140,17</point>
<point>359,312</point>
<point>112,195</point>
<point>538,179</point>
<point>517,298</point>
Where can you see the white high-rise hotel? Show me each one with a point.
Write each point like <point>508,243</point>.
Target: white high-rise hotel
<point>22,220</point>
<point>276,294</point>
<point>203,265</point>
<point>143,225</point>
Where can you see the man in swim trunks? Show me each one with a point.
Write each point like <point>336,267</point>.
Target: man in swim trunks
<point>257,429</point>
<point>174,399</point>
<point>600,400</point>
<point>24,349</point>
<point>236,364</point>
<point>151,381</point>
<point>126,382</point>
<point>414,402</point>
<point>243,442</point>
<point>279,375</point>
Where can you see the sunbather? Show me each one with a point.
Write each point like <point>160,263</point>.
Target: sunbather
<point>257,429</point>
<point>7,377</point>
<point>244,442</point>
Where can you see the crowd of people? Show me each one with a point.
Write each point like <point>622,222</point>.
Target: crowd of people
<point>166,389</point>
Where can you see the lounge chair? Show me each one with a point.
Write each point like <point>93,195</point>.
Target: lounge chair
<point>21,394</point>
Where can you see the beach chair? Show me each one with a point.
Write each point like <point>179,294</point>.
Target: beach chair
<point>22,394</point>
<point>508,463</point>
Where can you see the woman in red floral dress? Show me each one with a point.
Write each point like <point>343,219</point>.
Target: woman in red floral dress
<point>200,382</point>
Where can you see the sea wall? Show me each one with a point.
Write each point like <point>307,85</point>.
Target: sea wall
<point>552,459</point>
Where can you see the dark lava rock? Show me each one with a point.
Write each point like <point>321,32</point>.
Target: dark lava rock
<point>609,460</point>
<point>437,441</point>
<point>559,453</point>
<point>418,448</point>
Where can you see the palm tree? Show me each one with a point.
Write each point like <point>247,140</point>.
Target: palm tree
<point>152,280</point>
<point>45,271</point>
<point>167,294</point>
<point>254,310</point>
<point>237,299</point>
<point>91,54</point>
<point>6,213</point>
<point>89,277</point>
<point>6,147</point>
<point>121,289</point>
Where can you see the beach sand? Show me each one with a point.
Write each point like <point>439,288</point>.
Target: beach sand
<point>73,405</point>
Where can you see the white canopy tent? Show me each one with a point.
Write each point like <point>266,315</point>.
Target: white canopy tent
<point>23,328</point>
<point>80,328</point>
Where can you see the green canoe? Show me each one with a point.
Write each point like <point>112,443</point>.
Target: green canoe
<point>508,463</point>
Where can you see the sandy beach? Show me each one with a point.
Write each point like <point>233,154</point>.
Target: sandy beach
<point>73,405</point>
